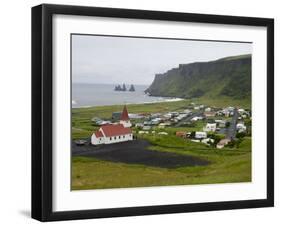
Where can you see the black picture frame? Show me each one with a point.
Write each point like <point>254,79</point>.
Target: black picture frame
<point>42,107</point>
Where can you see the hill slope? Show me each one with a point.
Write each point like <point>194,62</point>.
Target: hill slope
<point>230,77</point>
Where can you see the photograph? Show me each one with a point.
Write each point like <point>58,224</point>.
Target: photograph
<point>153,111</point>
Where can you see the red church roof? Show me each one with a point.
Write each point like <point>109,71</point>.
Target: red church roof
<point>98,134</point>
<point>115,130</point>
<point>124,115</point>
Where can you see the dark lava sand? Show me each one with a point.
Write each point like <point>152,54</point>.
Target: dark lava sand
<point>136,152</point>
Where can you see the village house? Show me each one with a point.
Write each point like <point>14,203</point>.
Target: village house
<point>209,113</point>
<point>139,125</point>
<point>244,113</point>
<point>196,141</point>
<point>146,128</point>
<point>175,113</point>
<point>241,111</point>
<point>222,143</point>
<point>162,125</point>
<point>156,121</point>
<point>196,118</point>
<point>200,135</point>
<point>147,123</point>
<point>187,111</point>
<point>136,116</point>
<point>116,116</point>
<point>207,141</point>
<point>208,109</point>
<point>210,127</point>
<point>114,133</point>
<point>227,112</point>
<point>167,115</point>
<point>96,119</point>
<point>100,123</point>
<point>220,123</point>
<point>181,116</point>
<point>143,132</point>
<point>155,115</point>
<point>181,134</point>
<point>240,127</point>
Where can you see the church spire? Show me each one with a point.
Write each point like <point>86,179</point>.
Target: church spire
<point>125,115</point>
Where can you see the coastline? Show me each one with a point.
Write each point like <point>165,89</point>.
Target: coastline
<point>163,100</point>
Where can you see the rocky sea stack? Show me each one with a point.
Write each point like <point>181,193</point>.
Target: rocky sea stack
<point>124,88</point>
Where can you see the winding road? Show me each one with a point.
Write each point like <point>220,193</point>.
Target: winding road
<point>231,130</point>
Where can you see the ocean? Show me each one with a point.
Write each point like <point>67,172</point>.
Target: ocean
<point>87,95</point>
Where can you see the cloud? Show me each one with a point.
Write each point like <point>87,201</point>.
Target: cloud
<point>111,60</point>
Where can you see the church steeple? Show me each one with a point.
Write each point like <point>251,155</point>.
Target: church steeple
<point>125,115</point>
<point>124,119</point>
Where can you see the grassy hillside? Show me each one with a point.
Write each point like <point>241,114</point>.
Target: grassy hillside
<point>226,77</point>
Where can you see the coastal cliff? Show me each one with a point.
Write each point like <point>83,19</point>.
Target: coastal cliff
<point>230,76</point>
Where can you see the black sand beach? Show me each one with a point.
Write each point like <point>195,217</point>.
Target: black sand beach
<point>136,152</point>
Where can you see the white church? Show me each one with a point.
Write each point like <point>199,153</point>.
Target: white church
<point>114,133</point>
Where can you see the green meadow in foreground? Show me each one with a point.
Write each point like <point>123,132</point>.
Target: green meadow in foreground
<point>227,165</point>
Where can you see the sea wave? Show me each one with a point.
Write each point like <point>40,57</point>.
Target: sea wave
<point>162,99</point>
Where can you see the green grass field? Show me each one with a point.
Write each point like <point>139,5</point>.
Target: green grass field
<point>228,165</point>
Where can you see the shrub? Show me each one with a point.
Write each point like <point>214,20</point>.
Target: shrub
<point>240,135</point>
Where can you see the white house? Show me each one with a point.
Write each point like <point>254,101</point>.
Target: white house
<point>222,143</point>
<point>241,127</point>
<point>139,125</point>
<point>208,109</point>
<point>162,125</point>
<point>200,135</point>
<point>210,113</point>
<point>241,111</point>
<point>207,141</point>
<point>220,123</point>
<point>143,132</point>
<point>187,111</point>
<point>210,127</point>
<point>196,118</point>
<point>155,121</point>
<point>146,128</point>
<point>109,134</point>
<point>168,115</point>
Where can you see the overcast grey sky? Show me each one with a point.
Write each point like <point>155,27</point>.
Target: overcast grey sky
<point>114,60</point>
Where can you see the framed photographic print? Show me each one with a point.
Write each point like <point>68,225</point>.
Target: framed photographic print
<point>145,112</point>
